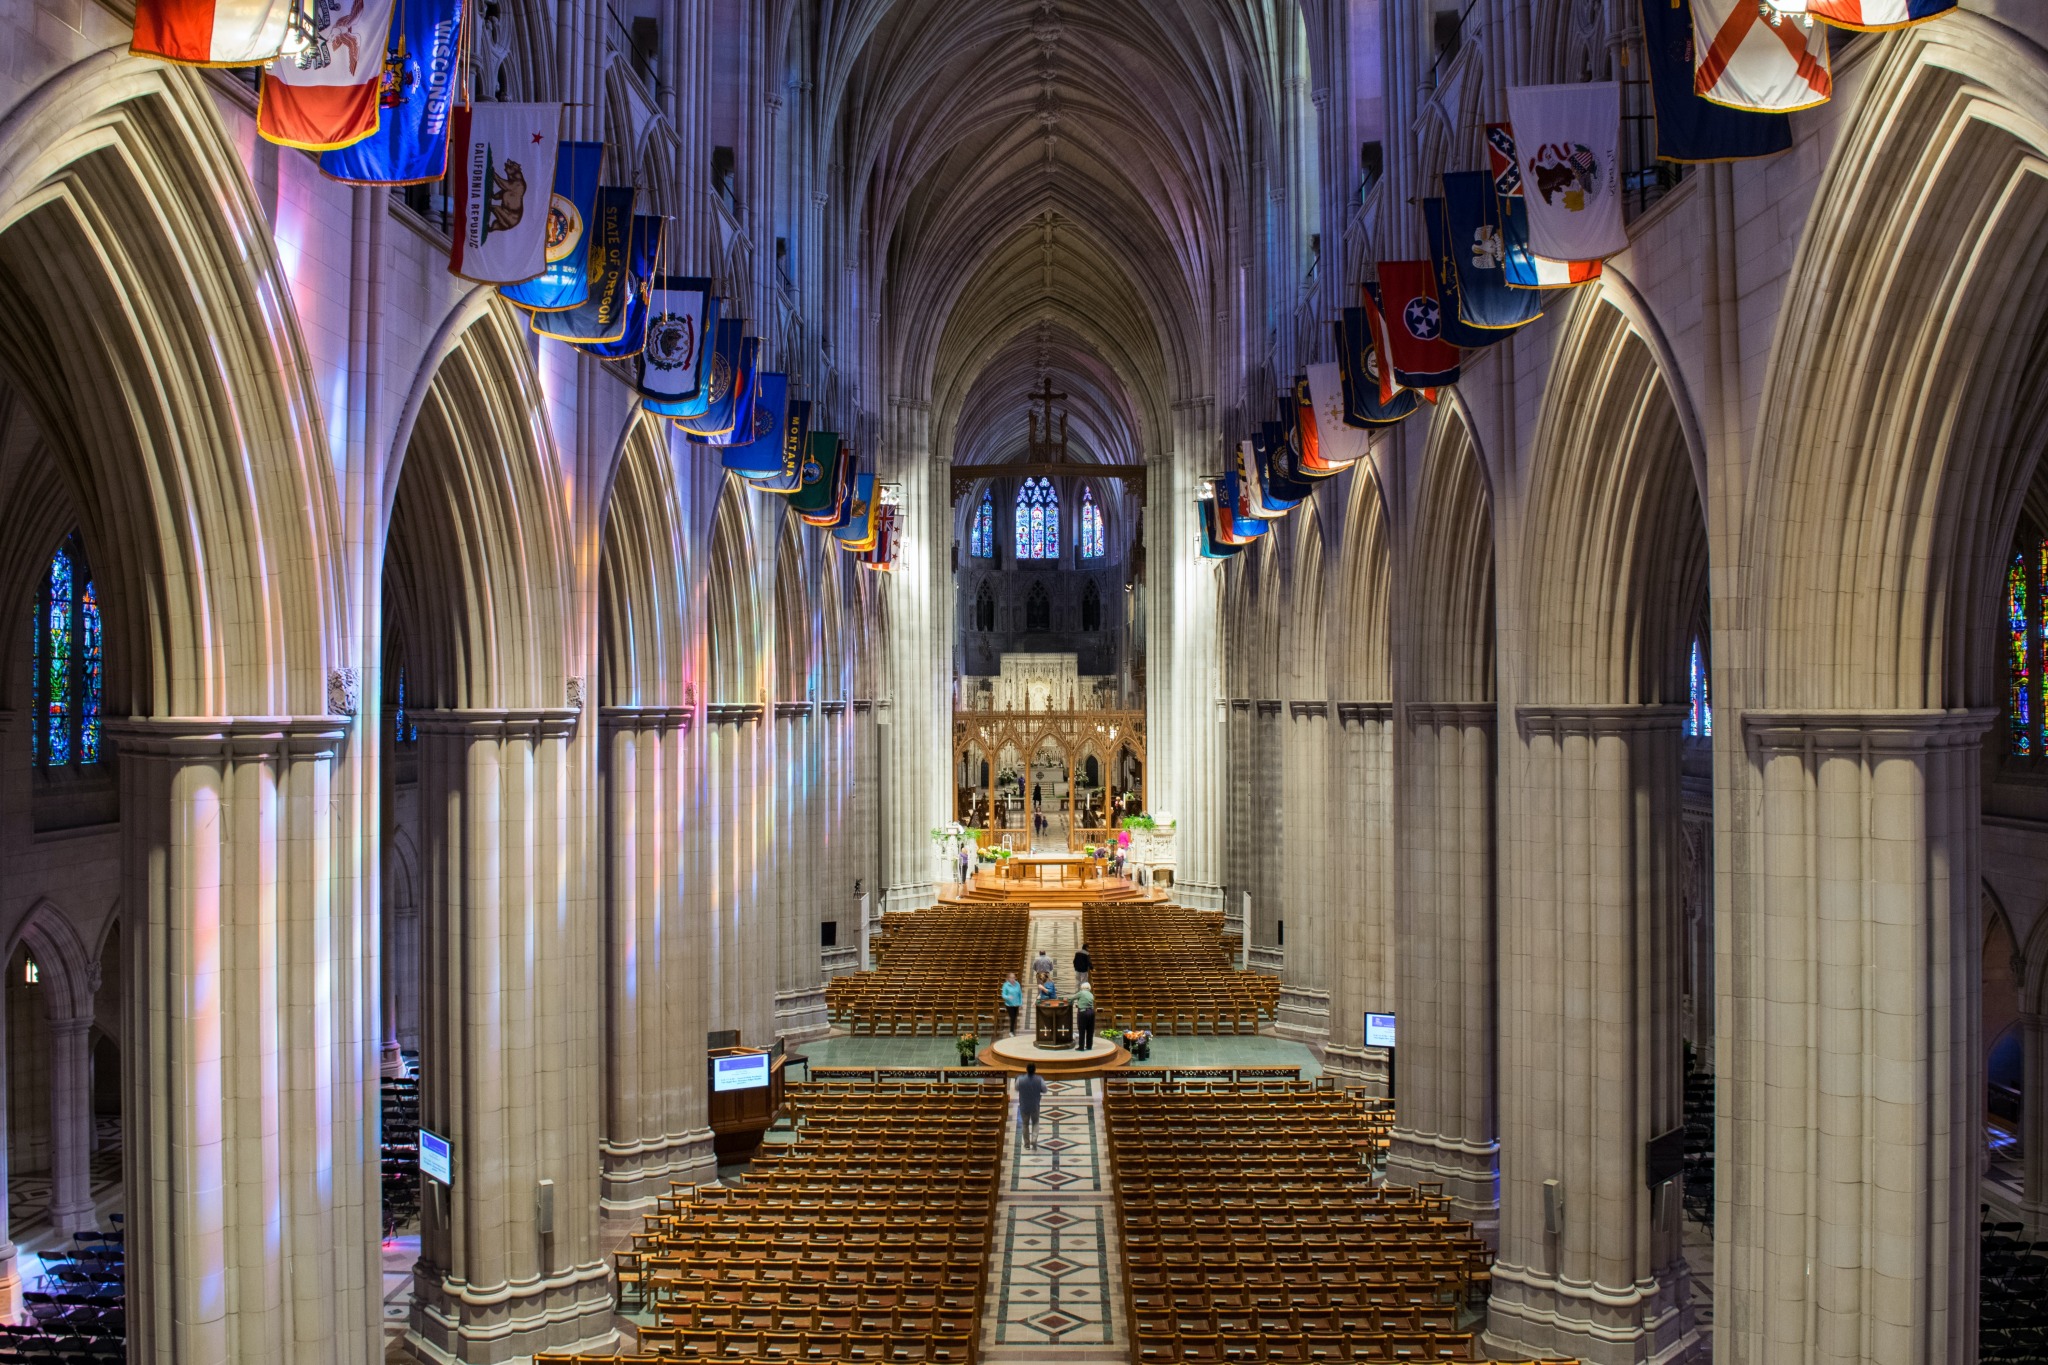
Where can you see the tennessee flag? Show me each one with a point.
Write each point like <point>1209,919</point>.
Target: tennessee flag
<point>327,96</point>
<point>1868,14</point>
<point>1414,321</point>
<point>210,32</point>
<point>1746,61</point>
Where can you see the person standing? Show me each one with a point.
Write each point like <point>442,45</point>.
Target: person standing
<point>1083,965</point>
<point>1084,1018</point>
<point>1013,999</point>
<point>1030,1090</point>
<point>1042,964</point>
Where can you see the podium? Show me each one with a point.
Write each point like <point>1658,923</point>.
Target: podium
<point>1055,1023</point>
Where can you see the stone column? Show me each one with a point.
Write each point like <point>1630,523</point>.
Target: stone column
<point>1591,935</point>
<point>1268,761</point>
<point>740,876</point>
<point>1306,844</point>
<point>1848,1133</point>
<point>1361,895</point>
<point>1444,921</point>
<point>807,820</point>
<point>507,1076</point>
<point>656,1128</point>
<point>1185,745</point>
<point>71,1125</point>
<point>917,716</point>
<point>2034,1118</point>
<point>251,1049</point>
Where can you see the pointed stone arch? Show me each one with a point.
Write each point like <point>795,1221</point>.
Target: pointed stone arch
<point>646,635</point>
<point>794,615</point>
<point>1364,669</point>
<point>69,973</point>
<point>1305,656</point>
<point>733,608</point>
<point>1451,573</point>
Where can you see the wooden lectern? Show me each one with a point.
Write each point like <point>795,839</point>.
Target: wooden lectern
<point>1055,1023</point>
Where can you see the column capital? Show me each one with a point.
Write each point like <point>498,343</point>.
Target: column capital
<point>1900,731</point>
<point>1301,709</point>
<point>612,718</point>
<point>793,710</point>
<point>1450,713</point>
<point>833,708</point>
<point>539,722</point>
<point>1365,712</point>
<point>1549,719</point>
<point>733,712</point>
<point>228,736</point>
<point>1269,706</point>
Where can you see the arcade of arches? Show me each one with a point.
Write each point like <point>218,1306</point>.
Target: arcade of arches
<point>401,726</point>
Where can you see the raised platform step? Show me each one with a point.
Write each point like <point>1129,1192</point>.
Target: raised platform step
<point>986,889</point>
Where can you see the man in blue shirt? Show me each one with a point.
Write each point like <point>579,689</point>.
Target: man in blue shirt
<point>1030,1090</point>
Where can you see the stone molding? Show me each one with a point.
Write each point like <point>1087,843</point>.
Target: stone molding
<point>1480,713</point>
<point>664,718</point>
<point>1364,712</point>
<point>733,712</point>
<point>794,710</point>
<point>1301,709</point>
<point>1866,731</point>
<point>235,737</point>
<point>862,705</point>
<point>1546,719</point>
<point>1268,706</point>
<point>833,708</point>
<point>1239,703</point>
<point>551,722</point>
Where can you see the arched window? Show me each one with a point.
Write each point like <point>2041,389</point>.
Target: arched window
<point>66,729</point>
<point>981,540</point>
<point>1091,607</point>
<point>405,731</point>
<point>1038,520</point>
<point>1038,609</point>
<point>984,609</point>
<point>1699,715</point>
<point>1091,526</point>
<point>2026,635</point>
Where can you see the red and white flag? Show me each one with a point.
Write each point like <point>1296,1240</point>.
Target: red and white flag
<point>503,159</point>
<point>1868,14</point>
<point>1568,147</point>
<point>210,32</point>
<point>1752,56</point>
<point>1337,444</point>
<point>327,96</point>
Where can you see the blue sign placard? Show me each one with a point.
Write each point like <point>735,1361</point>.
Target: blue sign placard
<point>1379,1030</point>
<point>435,1163</point>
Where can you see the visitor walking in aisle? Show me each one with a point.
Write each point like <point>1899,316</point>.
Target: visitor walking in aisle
<point>1030,1090</point>
<point>1084,1018</point>
<point>1042,964</point>
<point>1083,964</point>
<point>1013,999</point>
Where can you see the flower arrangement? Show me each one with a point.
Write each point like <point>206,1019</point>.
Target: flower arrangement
<point>1138,1040</point>
<point>969,1045</point>
<point>988,855</point>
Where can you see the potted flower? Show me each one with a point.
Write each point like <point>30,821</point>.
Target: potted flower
<point>1139,1041</point>
<point>968,1044</point>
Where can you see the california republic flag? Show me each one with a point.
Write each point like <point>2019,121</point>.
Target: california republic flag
<point>1568,146</point>
<point>1748,54</point>
<point>503,159</point>
<point>326,96</point>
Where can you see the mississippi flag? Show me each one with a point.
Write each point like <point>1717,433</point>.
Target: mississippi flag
<point>1878,13</point>
<point>210,32</point>
<point>327,96</point>
<point>1747,61</point>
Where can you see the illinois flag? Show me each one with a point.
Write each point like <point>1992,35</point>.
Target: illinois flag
<point>1878,13</point>
<point>327,96</point>
<point>1746,60</point>
<point>1568,148</point>
<point>210,32</point>
<point>504,168</point>
<point>1414,320</point>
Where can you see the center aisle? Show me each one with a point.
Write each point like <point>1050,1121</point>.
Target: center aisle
<point>1058,934</point>
<point>1052,1291</point>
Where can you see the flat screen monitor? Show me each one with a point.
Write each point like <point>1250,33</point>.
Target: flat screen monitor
<point>746,1072</point>
<point>434,1160</point>
<point>1379,1030</point>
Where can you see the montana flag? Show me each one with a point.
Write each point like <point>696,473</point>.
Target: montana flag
<point>602,314</point>
<point>760,456</point>
<point>503,155</point>
<point>796,439</point>
<point>1476,246</point>
<point>1568,145</point>
<point>1688,127</point>
<point>210,32</point>
<point>1869,14</point>
<point>680,315</point>
<point>565,282</point>
<point>1414,321</point>
<point>1338,444</point>
<point>1747,61</point>
<point>859,531</point>
<point>715,418</point>
<point>414,101</point>
<point>641,268</point>
<point>327,95</point>
<point>1525,269</point>
<point>1370,398</point>
<point>820,492</point>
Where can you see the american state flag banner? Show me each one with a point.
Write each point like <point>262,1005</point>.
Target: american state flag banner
<point>1338,444</point>
<point>1524,268</point>
<point>1749,58</point>
<point>1414,321</point>
<point>327,96</point>
<point>1370,399</point>
<point>1689,128</point>
<point>1869,14</point>
<point>210,32</point>
<point>410,146</point>
<point>504,165</point>
<point>1568,148</point>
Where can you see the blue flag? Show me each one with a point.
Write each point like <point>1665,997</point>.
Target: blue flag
<point>1455,329</point>
<point>749,391</point>
<point>860,519</point>
<point>722,392</point>
<point>565,281</point>
<point>1211,546</point>
<point>1230,507</point>
<point>796,439</point>
<point>1690,128</point>
<point>410,146</point>
<point>1269,442</point>
<point>1478,253</point>
<point>675,365</point>
<point>1359,363</point>
<point>644,261</point>
<point>761,457</point>
<point>602,315</point>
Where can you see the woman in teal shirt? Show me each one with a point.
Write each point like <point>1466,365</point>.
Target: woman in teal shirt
<point>1013,999</point>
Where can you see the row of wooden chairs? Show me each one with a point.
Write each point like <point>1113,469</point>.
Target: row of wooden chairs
<point>938,972</point>
<point>1229,1348</point>
<point>1165,968</point>
<point>744,1348</point>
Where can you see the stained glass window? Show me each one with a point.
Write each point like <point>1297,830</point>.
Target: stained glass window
<point>1038,520</point>
<point>405,730</point>
<point>1699,716</point>
<point>2020,635</point>
<point>1091,526</point>
<point>981,540</point>
<point>67,650</point>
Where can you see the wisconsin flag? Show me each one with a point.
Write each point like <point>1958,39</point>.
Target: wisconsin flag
<point>564,282</point>
<point>641,269</point>
<point>602,314</point>
<point>1689,128</point>
<point>506,162</point>
<point>1868,14</point>
<point>1568,145</point>
<point>210,32</point>
<point>414,100</point>
<point>1524,268</point>
<point>1413,319</point>
<point>327,95</point>
<point>1747,61</point>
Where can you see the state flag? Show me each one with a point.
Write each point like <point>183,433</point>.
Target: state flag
<point>327,95</point>
<point>1237,525</point>
<point>644,266</point>
<point>506,155</point>
<point>1524,268</point>
<point>1568,143</point>
<point>1338,444</point>
<point>1874,14</point>
<point>824,461</point>
<point>1475,245</point>
<point>796,439</point>
<point>760,456</point>
<point>1370,398</point>
<point>1444,272</point>
<point>1273,443</point>
<point>715,418</point>
<point>1691,129</point>
<point>1749,57</point>
<point>414,101</point>
<point>1207,541</point>
<point>602,315</point>
<point>564,283</point>
<point>859,531</point>
<point>681,316</point>
<point>210,32</point>
<point>1413,319</point>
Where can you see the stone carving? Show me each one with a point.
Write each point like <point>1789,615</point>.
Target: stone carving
<point>344,692</point>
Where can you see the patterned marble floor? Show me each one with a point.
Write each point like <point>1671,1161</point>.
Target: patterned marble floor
<point>1052,1293</point>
